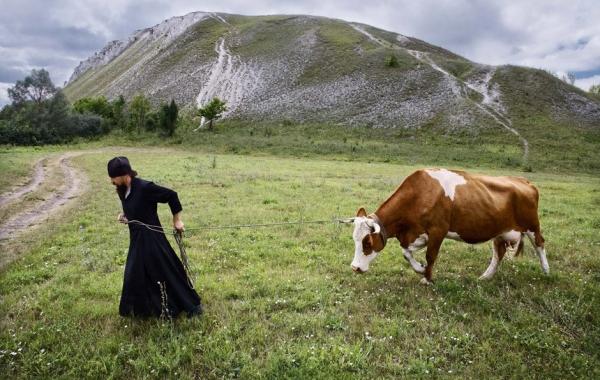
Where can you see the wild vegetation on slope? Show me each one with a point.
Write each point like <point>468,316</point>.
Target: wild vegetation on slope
<point>314,69</point>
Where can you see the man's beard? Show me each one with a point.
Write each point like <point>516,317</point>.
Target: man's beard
<point>121,190</point>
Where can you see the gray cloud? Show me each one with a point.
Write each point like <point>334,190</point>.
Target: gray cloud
<point>550,34</point>
<point>10,74</point>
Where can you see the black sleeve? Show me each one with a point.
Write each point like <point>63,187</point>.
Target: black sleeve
<point>161,194</point>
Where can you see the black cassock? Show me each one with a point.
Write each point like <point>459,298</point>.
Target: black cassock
<point>155,281</point>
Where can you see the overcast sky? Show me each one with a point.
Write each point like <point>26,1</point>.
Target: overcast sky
<point>558,35</point>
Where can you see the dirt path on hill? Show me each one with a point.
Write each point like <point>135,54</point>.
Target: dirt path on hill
<point>486,105</point>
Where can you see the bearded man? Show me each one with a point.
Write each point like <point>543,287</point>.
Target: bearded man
<point>155,281</point>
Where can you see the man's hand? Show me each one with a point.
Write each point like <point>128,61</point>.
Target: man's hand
<point>122,218</point>
<point>177,223</point>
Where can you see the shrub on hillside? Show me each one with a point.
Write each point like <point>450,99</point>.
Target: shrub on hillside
<point>391,61</point>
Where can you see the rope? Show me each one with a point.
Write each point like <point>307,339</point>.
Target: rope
<point>179,234</point>
<point>184,257</point>
<point>156,228</point>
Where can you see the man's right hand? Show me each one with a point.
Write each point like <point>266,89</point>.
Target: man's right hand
<point>122,218</point>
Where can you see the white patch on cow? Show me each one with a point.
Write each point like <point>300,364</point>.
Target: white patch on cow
<point>453,236</point>
<point>419,243</point>
<point>540,251</point>
<point>448,180</point>
<point>362,227</point>
<point>493,267</point>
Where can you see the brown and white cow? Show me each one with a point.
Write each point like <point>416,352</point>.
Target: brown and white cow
<point>433,204</point>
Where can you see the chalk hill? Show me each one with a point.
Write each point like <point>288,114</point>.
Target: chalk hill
<point>316,69</point>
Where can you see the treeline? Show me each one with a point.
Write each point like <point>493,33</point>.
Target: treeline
<point>136,116</point>
<point>41,114</point>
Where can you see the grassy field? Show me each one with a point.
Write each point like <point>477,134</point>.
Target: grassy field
<point>283,302</point>
<point>16,165</point>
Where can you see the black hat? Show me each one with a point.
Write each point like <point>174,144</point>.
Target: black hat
<point>119,166</point>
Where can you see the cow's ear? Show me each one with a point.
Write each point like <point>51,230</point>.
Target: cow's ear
<point>361,212</point>
<point>377,242</point>
<point>367,245</point>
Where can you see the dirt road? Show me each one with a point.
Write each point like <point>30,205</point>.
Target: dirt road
<point>53,186</point>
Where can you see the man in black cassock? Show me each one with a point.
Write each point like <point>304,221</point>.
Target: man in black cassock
<point>155,281</point>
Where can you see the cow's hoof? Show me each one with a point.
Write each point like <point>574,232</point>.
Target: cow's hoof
<point>425,281</point>
<point>485,277</point>
<point>420,269</point>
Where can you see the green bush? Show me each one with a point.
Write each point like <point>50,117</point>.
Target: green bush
<point>87,125</point>
<point>391,61</point>
<point>98,106</point>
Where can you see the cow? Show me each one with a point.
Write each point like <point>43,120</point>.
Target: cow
<point>433,204</point>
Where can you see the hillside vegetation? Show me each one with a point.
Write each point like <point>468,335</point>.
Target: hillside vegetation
<point>329,77</point>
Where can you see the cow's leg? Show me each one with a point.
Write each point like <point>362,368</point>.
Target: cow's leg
<point>498,251</point>
<point>417,266</point>
<point>537,240</point>
<point>433,248</point>
<point>419,243</point>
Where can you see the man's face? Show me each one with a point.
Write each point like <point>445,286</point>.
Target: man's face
<point>121,184</point>
<point>119,181</point>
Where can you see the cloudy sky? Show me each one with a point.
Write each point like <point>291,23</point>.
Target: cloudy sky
<point>558,35</point>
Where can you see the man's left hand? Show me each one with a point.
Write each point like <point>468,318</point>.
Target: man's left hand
<point>177,223</point>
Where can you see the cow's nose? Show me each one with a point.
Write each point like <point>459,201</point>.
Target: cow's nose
<point>356,269</point>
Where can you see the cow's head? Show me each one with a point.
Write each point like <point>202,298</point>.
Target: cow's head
<point>368,241</point>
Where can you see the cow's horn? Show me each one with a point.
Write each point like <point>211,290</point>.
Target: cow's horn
<point>377,228</point>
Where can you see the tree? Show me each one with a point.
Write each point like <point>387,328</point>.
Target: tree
<point>36,87</point>
<point>118,109</point>
<point>568,78</point>
<point>212,111</point>
<point>57,120</point>
<point>595,90</point>
<point>41,114</point>
<point>168,118</point>
<point>138,112</point>
<point>98,106</point>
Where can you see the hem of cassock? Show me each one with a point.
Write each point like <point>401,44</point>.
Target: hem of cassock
<point>196,312</point>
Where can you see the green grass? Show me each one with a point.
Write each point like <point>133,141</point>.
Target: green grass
<point>16,165</point>
<point>260,37</point>
<point>283,302</point>
<point>570,149</point>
